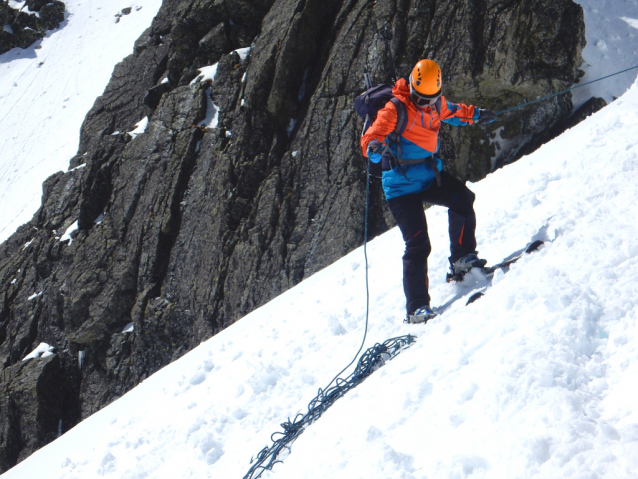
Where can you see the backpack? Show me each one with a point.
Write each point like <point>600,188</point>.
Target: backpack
<point>367,105</point>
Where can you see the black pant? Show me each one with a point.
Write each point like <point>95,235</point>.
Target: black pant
<point>409,215</point>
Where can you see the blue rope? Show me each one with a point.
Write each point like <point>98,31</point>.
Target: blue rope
<point>374,357</point>
<point>565,91</point>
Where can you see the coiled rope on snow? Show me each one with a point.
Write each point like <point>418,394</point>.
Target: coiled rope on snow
<point>373,358</point>
<point>370,361</point>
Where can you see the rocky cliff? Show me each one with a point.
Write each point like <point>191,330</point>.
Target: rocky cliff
<point>21,28</point>
<point>240,187</point>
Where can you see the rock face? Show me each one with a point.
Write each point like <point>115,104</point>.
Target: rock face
<point>22,28</point>
<point>184,228</point>
<point>38,397</point>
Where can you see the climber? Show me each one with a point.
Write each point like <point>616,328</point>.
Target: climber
<point>413,175</point>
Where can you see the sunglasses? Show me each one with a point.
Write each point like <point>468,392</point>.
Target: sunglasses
<point>422,100</point>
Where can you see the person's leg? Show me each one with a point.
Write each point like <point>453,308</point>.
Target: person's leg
<point>409,215</point>
<point>454,195</point>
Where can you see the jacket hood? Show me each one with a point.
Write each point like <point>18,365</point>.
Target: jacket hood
<point>402,90</point>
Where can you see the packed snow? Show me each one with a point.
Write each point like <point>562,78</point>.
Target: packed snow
<point>536,379</point>
<point>140,127</point>
<point>42,351</point>
<point>212,113</point>
<point>207,74</point>
<point>46,91</point>
<point>33,296</point>
<point>68,233</point>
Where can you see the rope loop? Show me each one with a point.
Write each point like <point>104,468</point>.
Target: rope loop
<point>374,357</point>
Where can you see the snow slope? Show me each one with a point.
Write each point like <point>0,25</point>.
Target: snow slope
<point>46,91</point>
<point>538,379</point>
<point>611,33</point>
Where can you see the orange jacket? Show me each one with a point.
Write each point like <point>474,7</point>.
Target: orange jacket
<point>420,138</point>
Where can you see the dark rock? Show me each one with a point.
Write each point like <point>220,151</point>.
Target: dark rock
<point>191,225</point>
<point>36,5</point>
<point>38,403</point>
<point>7,40</point>
<point>24,20</point>
<point>51,15</point>
<point>588,108</point>
<point>24,37</point>
<point>154,95</point>
<point>25,28</point>
<point>7,14</point>
<point>212,46</point>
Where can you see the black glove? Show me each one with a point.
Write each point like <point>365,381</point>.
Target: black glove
<point>375,146</point>
<point>486,116</point>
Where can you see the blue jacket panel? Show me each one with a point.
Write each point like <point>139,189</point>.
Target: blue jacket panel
<point>417,178</point>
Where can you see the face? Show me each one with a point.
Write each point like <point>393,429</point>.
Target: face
<point>422,100</point>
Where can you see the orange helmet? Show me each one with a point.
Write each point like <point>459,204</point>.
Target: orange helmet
<point>425,79</point>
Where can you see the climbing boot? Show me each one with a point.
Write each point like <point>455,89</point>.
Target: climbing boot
<point>421,315</point>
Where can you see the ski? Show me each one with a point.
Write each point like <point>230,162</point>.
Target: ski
<point>487,271</point>
<point>504,265</point>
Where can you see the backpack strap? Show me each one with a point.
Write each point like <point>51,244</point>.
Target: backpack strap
<point>394,137</point>
<point>437,105</point>
<point>402,122</point>
<point>437,173</point>
<point>402,115</point>
<point>430,159</point>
